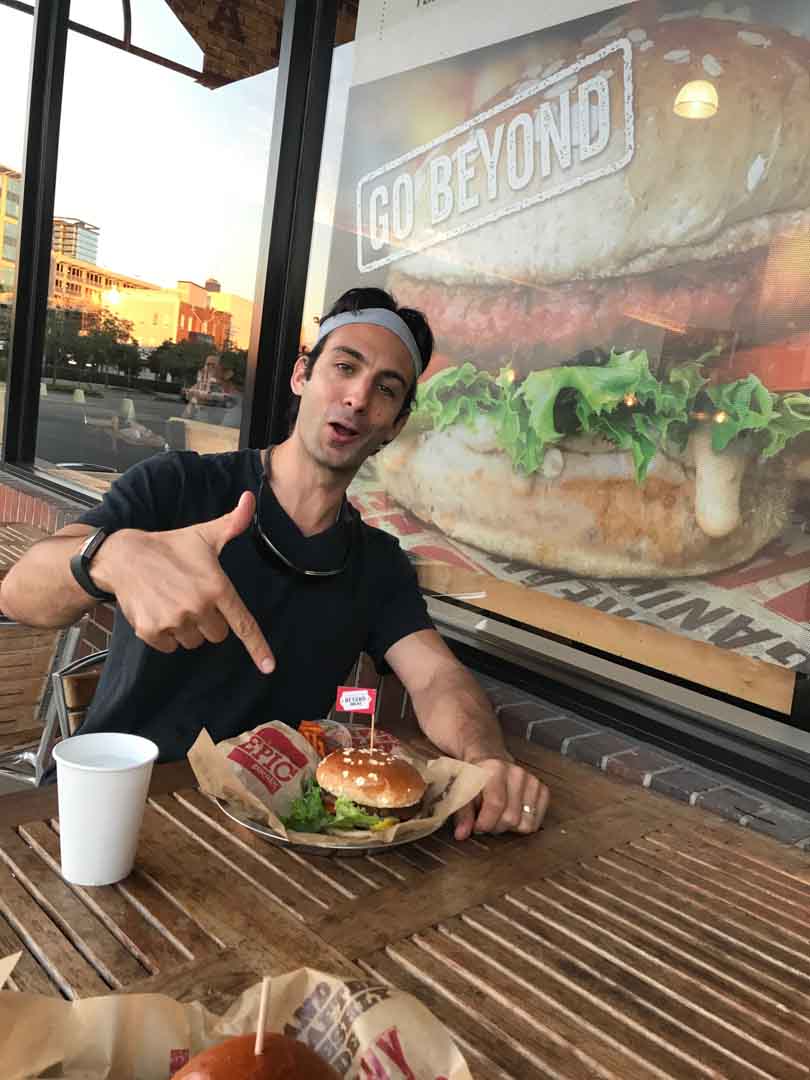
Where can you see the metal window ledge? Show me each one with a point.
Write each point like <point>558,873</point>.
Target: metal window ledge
<point>760,749</point>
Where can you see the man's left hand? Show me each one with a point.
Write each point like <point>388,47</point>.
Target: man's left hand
<point>512,800</point>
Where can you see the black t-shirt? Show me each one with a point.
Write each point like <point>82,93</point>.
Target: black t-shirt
<point>316,627</point>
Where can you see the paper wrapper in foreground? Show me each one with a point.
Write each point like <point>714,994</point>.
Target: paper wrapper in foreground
<point>260,772</point>
<point>361,1028</point>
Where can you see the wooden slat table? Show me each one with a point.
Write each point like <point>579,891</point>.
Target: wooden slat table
<point>632,938</point>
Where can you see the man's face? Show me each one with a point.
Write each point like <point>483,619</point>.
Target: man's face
<point>349,407</point>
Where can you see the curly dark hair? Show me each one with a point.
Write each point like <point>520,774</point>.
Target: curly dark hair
<point>356,300</point>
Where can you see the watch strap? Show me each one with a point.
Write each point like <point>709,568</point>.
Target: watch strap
<point>80,565</point>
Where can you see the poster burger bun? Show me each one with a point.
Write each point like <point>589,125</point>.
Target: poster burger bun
<point>234,1059</point>
<point>568,271</point>
<point>555,428</point>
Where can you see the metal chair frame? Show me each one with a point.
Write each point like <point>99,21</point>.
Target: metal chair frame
<point>28,763</point>
<point>75,667</point>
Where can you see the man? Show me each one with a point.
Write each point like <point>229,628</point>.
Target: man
<point>246,584</point>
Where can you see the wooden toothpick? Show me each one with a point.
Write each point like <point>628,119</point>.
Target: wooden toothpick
<point>373,721</point>
<point>263,1001</point>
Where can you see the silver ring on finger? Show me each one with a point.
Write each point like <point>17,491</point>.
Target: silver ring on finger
<point>528,810</point>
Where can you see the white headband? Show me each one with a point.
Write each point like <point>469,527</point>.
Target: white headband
<point>389,320</point>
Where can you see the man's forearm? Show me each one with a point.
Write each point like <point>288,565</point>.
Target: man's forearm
<point>40,590</point>
<point>455,714</point>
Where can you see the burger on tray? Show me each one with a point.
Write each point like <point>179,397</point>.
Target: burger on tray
<point>581,421</point>
<point>352,797</point>
<point>358,789</point>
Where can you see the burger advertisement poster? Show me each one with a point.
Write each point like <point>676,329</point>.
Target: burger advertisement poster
<point>607,222</point>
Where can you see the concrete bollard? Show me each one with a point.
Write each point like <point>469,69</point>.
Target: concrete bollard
<point>78,395</point>
<point>127,410</point>
<point>43,388</point>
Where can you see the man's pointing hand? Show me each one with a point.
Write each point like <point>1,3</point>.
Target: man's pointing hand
<point>173,590</point>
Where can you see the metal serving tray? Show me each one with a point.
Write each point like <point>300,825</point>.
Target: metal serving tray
<point>335,845</point>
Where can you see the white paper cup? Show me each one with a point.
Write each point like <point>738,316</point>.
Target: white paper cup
<point>102,782</point>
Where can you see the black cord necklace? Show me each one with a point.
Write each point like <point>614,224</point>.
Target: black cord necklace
<point>262,535</point>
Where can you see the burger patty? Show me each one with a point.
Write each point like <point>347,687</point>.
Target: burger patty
<point>535,327</point>
<point>402,813</point>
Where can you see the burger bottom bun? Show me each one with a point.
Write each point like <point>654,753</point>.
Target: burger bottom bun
<point>283,1059</point>
<point>591,517</point>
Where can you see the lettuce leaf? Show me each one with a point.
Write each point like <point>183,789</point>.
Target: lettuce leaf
<point>620,401</point>
<point>308,814</point>
<point>455,395</point>
<point>348,815</point>
<point>791,418</point>
<point>747,405</point>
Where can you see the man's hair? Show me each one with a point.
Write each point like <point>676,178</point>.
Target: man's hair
<point>356,300</point>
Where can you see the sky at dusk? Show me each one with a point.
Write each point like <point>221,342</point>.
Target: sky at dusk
<point>173,174</point>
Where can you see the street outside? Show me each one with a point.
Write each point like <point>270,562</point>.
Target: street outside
<point>63,435</point>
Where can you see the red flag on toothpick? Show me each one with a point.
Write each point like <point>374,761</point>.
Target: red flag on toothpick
<point>358,699</point>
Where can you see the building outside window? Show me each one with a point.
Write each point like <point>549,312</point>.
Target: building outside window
<point>9,214</point>
<point>133,229</point>
<point>75,238</point>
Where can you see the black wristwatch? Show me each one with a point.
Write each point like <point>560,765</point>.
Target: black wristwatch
<point>80,565</point>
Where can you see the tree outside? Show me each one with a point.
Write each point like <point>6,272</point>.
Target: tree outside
<point>235,361</point>
<point>63,341</point>
<point>182,360</point>
<point>108,342</point>
<point>5,338</point>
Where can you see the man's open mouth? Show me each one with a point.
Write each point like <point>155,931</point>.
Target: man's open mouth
<point>343,433</point>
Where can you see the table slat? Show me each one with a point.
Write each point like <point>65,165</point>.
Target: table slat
<point>29,976</point>
<point>65,965</point>
<point>596,918</point>
<point>155,950</point>
<point>451,889</point>
<point>112,959</point>
<point>475,1041</point>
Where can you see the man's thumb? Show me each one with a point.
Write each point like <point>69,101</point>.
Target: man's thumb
<point>221,530</point>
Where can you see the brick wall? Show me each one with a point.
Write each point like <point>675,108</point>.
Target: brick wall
<point>240,38</point>
<point>23,503</point>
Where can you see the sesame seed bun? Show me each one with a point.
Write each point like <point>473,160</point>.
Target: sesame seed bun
<point>371,778</point>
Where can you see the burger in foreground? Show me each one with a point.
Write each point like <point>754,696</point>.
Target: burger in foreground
<point>234,1059</point>
<point>357,790</point>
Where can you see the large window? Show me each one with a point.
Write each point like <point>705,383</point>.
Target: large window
<point>159,203</point>
<point>606,218</point>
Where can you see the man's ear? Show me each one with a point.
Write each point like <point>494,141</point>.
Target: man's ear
<point>299,375</point>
